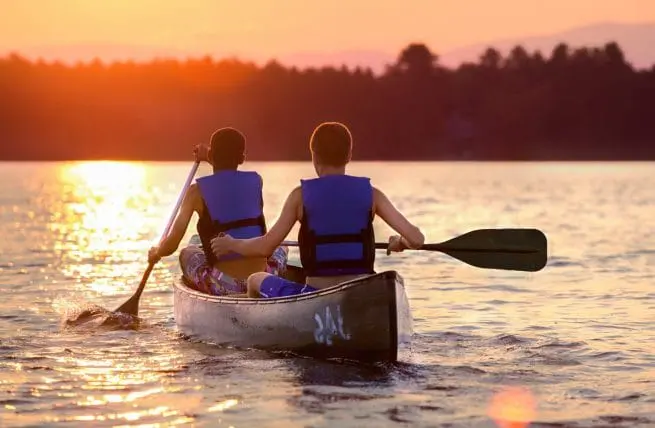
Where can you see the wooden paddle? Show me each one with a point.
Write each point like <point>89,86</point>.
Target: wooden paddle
<point>506,249</point>
<point>131,307</point>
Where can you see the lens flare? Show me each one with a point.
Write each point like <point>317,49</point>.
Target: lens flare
<point>513,407</point>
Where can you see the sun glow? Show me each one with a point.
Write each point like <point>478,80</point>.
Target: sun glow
<point>100,220</point>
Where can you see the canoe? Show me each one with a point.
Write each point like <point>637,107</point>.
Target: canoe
<point>367,319</point>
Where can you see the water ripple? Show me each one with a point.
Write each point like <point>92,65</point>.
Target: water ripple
<point>576,334</point>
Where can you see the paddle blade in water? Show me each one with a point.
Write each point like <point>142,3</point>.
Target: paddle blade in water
<point>131,306</point>
<point>507,249</point>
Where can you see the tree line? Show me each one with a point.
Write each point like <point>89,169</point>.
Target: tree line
<point>583,103</point>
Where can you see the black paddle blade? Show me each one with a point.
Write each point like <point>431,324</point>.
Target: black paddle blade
<point>131,306</point>
<point>507,249</point>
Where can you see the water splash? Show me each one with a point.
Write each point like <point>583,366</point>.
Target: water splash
<point>88,316</point>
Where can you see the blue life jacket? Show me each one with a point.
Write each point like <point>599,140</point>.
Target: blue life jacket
<point>336,231</point>
<point>233,204</point>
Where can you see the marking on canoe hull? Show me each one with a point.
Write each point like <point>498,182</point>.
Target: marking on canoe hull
<point>327,328</point>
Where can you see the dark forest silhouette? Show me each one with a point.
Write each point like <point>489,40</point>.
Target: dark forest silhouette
<point>587,103</point>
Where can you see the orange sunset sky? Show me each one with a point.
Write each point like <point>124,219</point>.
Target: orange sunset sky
<point>260,29</point>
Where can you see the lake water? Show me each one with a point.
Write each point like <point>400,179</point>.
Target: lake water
<point>577,338</point>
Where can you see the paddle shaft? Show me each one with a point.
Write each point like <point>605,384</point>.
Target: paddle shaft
<point>180,198</point>
<point>445,247</point>
<point>442,247</point>
<point>132,305</point>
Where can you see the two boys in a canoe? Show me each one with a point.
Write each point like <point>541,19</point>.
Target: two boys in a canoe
<point>228,201</point>
<point>336,214</point>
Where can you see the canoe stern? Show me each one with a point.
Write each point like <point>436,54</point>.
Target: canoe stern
<point>366,319</point>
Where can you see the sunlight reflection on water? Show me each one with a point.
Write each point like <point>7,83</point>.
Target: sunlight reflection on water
<point>100,222</point>
<point>577,334</point>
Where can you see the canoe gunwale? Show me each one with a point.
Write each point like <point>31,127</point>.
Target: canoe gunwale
<point>386,275</point>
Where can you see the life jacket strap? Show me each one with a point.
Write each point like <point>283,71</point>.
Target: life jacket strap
<point>238,224</point>
<point>310,241</point>
<point>341,264</point>
<point>345,238</point>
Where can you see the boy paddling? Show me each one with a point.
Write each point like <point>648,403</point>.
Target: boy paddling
<point>336,214</point>
<point>228,201</point>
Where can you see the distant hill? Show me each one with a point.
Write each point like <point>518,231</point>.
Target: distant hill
<point>375,60</point>
<point>88,51</point>
<point>637,41</point>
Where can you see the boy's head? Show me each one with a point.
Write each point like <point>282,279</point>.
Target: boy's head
<point>331,145</point>
<point>228,148</point>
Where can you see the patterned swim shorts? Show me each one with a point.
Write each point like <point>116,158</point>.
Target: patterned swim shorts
<point>208,279</point>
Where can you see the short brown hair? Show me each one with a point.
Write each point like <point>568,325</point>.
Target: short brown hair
<point>331,144</point>
<point>228,147</point>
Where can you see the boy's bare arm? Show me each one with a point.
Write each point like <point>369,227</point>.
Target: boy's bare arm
<point>396,220</point>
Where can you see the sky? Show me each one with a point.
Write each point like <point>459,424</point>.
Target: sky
<point>266,28</point>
